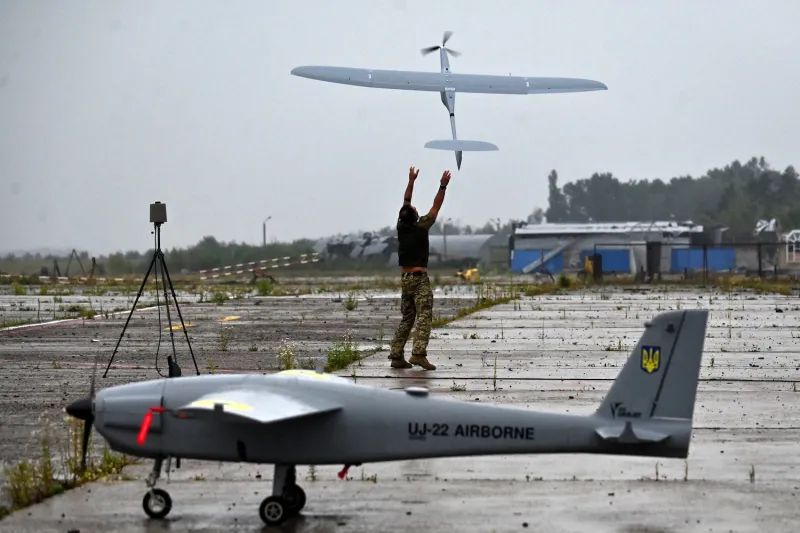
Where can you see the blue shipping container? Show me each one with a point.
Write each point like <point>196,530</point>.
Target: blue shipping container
<point>614,260</point>
<point>523,258</point>
<point>719,259</point>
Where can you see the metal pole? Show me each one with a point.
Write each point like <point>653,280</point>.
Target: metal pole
<point>264,231</point>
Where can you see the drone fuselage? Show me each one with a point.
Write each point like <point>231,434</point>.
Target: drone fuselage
<point>369,425</point>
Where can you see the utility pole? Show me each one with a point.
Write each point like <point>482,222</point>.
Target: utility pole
<point>264,231</point>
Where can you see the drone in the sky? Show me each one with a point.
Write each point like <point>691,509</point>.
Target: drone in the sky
<point>447,84</point>
<point>303,417</point>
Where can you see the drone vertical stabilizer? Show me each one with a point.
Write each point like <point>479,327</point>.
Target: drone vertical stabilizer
<point>661,374</point>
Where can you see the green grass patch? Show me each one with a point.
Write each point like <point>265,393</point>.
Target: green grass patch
<point>30,482</point>
<point>343,352</point>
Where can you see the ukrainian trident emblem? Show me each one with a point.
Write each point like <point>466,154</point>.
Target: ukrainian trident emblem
<point>651,358</point>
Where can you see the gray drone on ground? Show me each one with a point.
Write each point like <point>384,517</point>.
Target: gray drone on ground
<point>302,417</point>
<point>447,84</point>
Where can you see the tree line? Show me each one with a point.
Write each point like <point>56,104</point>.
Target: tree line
<point>735,196</point>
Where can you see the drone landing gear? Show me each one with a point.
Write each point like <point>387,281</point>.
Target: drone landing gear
<point>157,503</point>
<point>287,499</point>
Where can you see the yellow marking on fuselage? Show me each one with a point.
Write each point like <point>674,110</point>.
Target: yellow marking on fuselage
<point>303,372</point>
<point>227,404</point>
<point>229,318</point>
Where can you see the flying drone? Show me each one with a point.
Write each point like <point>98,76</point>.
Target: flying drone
<point>303,417</point>
<point>447,84</point>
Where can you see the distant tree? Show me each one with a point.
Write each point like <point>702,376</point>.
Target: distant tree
<point>735,196</point>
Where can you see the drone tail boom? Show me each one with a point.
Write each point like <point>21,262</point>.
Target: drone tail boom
<point>660,377</point>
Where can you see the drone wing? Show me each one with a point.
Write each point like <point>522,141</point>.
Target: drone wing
<point>253,405</point>
<point>408,80</point>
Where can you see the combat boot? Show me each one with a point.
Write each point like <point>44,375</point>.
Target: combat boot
<point>399,361</point>
<point>421,360</point>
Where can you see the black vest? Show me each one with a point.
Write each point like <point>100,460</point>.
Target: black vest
<point>413,246</point>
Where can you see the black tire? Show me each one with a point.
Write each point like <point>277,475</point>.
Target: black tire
<point>273,511</point>
<point>295,499</point>
<point>157,503</point>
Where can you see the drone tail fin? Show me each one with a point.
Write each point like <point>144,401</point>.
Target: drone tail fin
<point>661,375</point>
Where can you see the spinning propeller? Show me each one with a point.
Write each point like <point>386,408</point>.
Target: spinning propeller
<point>83,409</point>
<point>445,38</point>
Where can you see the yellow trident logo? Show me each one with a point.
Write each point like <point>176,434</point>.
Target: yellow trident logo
<point>651,358</point>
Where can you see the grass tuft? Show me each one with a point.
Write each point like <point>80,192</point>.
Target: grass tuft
<point>30,482</point>
<point>343,353</point>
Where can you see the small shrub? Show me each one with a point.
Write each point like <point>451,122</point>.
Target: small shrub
<point>286,355</point>
<point>350,303</point>
<point>343,353</point>
<point>265,287</point>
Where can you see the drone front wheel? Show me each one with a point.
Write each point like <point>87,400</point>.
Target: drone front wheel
<point>157,503</point>
<point>273,510</point>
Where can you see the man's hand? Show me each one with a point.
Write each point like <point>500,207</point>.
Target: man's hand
<point>412,174</point>
<point>445,177</point>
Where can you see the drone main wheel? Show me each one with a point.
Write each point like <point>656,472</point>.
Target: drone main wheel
<point>295,499</point>
<point>157,503</point>
<point>273,510</point>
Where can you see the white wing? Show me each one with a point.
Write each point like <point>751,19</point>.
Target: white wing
<point>256,405</point>
<point>408,80</point>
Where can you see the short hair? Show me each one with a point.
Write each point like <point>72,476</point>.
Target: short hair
<point>408,214</point>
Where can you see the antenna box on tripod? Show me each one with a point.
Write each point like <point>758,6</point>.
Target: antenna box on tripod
<point>158,213</point>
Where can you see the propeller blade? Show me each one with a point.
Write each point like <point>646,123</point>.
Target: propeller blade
<point>428,50</point>
<point>87,430</point>
<point>446,37</point>
<point>453,52</point>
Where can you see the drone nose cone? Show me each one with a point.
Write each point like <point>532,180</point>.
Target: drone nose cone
<point>81,409</point>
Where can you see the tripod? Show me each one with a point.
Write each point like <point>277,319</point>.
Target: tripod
<point>158,255</point>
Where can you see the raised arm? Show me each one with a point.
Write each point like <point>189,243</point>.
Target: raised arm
<point>439,199</point>
<point>412,175</point>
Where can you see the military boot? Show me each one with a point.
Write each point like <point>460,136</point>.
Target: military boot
<point>421,360</point>
<point>398,361</point>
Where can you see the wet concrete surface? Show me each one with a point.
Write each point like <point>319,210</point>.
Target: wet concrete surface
<point>555,353</point>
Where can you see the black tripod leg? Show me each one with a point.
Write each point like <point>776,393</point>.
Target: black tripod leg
<point>178,308</point>
<point>133,308</point>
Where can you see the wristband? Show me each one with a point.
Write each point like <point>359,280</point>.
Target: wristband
<point>442,187</point>
<point>407,200</point>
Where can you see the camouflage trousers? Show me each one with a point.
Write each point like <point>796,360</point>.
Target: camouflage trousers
<point>416,303</point>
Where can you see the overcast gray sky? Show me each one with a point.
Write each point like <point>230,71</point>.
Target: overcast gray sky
<point>107,106</point>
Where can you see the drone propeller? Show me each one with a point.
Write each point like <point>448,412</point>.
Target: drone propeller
<point>445,38</point>
<point>83,409</point>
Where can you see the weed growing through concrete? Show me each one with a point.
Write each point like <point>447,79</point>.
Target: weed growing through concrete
<point>265,287</point>
<point>312,473</point>
<point>342,353</point>
<point>219,297</point>
<point>286,355</point>
<point>30,482</point>
<point>223,336</point>
<point>350,302</point>
<point>456,388</point>
<point>380,346</point>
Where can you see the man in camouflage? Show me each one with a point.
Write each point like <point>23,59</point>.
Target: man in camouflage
<point>416,300</point>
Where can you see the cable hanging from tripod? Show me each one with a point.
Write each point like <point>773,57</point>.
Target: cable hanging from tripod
<point>158,307</point>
